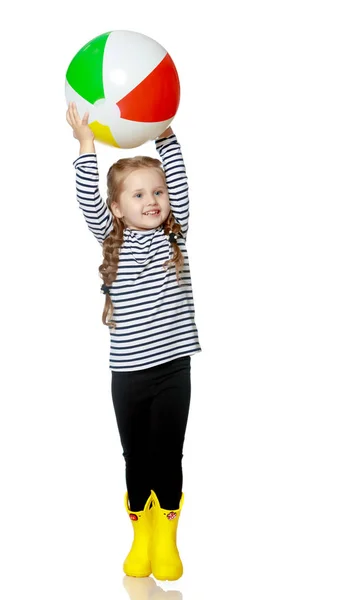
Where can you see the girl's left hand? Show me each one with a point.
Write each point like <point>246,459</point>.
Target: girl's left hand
<point>166,133</point>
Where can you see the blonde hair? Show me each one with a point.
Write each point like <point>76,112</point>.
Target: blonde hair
<point>112,244</point>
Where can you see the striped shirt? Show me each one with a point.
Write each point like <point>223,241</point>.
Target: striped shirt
<point>154,315</point>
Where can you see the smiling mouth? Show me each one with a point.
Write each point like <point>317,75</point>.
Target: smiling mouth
<point>152,213</point>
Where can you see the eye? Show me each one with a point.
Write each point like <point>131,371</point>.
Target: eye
<point>158,193</point>
<point>139,195</point>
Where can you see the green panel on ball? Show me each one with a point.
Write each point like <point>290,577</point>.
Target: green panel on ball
<point>85,72</point>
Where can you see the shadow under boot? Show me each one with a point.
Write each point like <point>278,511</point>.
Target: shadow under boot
<point>137,562</point>
<point>165,560</point>
<point>140,588</point>
<point>145,588</point>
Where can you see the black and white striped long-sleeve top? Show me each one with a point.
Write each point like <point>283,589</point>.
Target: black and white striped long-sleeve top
<point>154,315</point>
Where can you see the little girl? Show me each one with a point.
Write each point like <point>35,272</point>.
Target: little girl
<point>149,310</point>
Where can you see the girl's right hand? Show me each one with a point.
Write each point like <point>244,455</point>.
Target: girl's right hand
<point>81,129</point>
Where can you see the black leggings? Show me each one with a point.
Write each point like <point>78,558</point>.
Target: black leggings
<point>151,408</point>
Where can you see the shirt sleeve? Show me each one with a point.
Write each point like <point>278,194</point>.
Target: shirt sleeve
<point>96,212</point>
<point>176,179</point>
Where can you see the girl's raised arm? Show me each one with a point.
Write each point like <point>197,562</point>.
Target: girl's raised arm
<point>96,213</point>
<point>170,153</point>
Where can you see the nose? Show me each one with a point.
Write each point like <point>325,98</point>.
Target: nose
<point>152,201</point>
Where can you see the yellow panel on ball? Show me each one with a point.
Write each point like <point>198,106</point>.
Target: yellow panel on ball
<point>103,134</point>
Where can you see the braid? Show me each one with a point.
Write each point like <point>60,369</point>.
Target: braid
<point>177,259</point>
<point>108,268</point>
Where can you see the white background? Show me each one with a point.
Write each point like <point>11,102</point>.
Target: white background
<point>257,124</point>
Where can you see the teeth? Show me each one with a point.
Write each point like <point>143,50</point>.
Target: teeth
<point>152,212</point>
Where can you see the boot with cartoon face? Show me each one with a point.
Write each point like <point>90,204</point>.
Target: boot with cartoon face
<point>137,563</point>
<point>165,559</point>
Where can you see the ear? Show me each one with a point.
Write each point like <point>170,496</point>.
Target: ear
<point>116,211</point>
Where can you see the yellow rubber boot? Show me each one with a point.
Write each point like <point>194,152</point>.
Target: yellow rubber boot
<point>165,560</point>
<point>137,562</point>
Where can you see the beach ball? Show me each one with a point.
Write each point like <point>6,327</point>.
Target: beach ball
<point>128,84</point>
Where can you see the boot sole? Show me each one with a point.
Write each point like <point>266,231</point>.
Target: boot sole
<point>163,577</point>
<point>135,573</point>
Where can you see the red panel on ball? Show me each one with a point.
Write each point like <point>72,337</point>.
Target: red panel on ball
<point>156,98</point>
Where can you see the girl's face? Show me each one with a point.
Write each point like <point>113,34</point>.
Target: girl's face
<point>143,202</point>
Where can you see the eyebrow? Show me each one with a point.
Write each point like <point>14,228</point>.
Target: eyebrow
<point>157,187</point>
